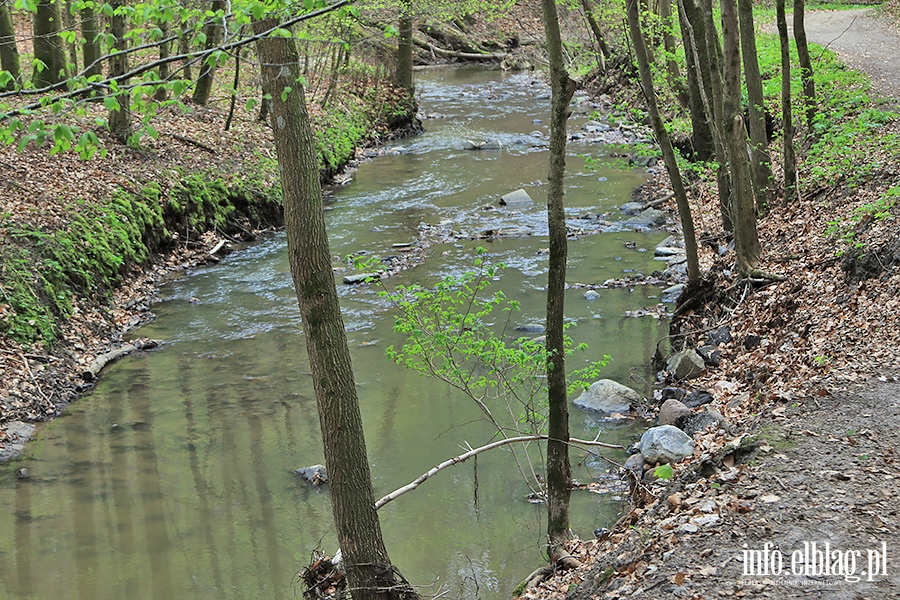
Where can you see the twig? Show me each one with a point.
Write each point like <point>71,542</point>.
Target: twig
<point>192,142</point>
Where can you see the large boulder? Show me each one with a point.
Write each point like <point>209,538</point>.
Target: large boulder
<point>666,444</point>
<point>647,219</point>
<point>686,364</point>
<point>672,410</point>
<point>608,396</point>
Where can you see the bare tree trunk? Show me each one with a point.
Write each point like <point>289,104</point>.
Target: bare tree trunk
<point>369,571</point>
<point>559,470</point>
<point>761,166</point>
<point>184,48</point>
<point>161,93</point>
<point>806,70</point>
<point>215,30</point>
<point>743,211</point>
<point>9,51</point>
<point>790,160</point>
<point>404,76</point>
<point>693,29</point>
<point>598,33</point>
<point>89,31</point>
<point>665,143</point>
<point>68,19</point>
<point>120,118</point>
<point>674,73</point>
<point>48,46</point>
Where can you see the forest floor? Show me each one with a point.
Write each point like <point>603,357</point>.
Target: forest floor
<point>811,450</point>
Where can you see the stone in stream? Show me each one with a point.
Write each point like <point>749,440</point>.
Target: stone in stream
<point>516,198</point>
<point>632,208</point>
<point>530,328</point>
<point>492,144</point>
<point>686,364</point>
<point>360,278</point>
<point>591,295</point>
<point>671,294</point>
<point>666,444</point>
<point>647,219</point>
<point>667,251</point>
<point>316,474</point>
<point>608,396</point>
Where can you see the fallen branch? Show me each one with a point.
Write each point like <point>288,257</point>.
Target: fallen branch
<point>475,452</point>
<point>657,202</point>
<point>456,54</point>
<point>195,143</point>
<point>99,363</point>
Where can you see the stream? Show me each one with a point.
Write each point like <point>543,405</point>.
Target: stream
<point>173,479</point>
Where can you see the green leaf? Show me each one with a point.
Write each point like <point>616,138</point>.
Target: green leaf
<point>664,471</point>
<point>284,93</point>
<point>111,103</point>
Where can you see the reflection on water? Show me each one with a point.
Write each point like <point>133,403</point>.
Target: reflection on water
<point>173,480</point>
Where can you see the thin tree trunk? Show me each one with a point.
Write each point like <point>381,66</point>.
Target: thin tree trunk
<point>234,86</point>
<point>603,54</point>
<point>89,31</point>
<point>120,118</point>
<point>674,73</point>
<point>215,30</point>
<point>806,70</point>
<point>68,19</point>
<point>161,93</point>
<point>404,48</point>
<point>790,160</point>
<point>48,46</point>
<point>665,143</point>
<point>743,211</point>
<point>559,470</point>
<point>9,51</point>
<point>184,48</point>
<point>369,571</point>
<point>761,166</point>
<point>693,29</point>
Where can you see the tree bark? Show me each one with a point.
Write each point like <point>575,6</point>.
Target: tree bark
<point>9,51</point>
<point>674,73</point>
<point>161,93</point>
<point>761,167</point>
<point>48,46</point>
<point>68,18</point>
<point>806,70</point>
<point>119,119</point>
<point>184,47</point>
<point>790,160</point>
<point>369,570</point>
<point>743,211</point>
<point>693,29</point>
<point>404,77</point>
<point>215,31</point>
<point>559,470</point>
<point>603,53</point>
<point>89,31</point>
<point>665,143</point>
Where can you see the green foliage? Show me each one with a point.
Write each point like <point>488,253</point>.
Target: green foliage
<point>664,471</point>
<point>880,210</point>
<point>342,130</point>
<point>460,332</point>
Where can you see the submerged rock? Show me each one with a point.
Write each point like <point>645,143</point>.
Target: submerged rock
<point>608,396</point>
<point>316,474</point>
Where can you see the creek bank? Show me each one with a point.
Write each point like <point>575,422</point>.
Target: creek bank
<point>73,290</point>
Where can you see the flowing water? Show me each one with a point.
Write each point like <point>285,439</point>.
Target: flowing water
<point>174,478</point>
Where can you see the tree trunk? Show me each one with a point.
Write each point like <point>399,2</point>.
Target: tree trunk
<point>215,30</point>
<point>761,167</point>
<point>48,46</point>
<point>184,48</point>
<point>369,571</point>
<point>161,93</point>
<point>674,73</point>
<point>806,70</point>
<point>790,160</point>
<point>9,51</point>
<point>603,54</point>
<point>89,31</point>
<point>743,211</point>
<point>120,118</point>
<point>693,29</point>
<point>404,76</point>
<point>559,471</point>
<point>665,143</point>
<point>68,18</point>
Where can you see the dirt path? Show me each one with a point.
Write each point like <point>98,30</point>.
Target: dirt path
<point>864,41</point>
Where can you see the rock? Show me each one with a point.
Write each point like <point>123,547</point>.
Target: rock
<point>668,251</point>
<point>23,473</point>
<point>751,341</point>
<point>634,463</point>
<point>671,294</point>
<point>697,398</point>
<point>671,242</point>
<point>493,144</point>
<point>671,411</point>
<point>673,392</point>
<point>666,444</point>
<point>696,422</point>
<point>316,474</point>
<point>591,295</point>
<point>632,208</point>
<point>722,335</point>
<point>711,356</point>
<point>686,364</point>
<point>517,198</point>
<point>530,328</point>
<point>647,219</point>
<point>361,278</point>
<point>595,127</point>
<point>608,396</point>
